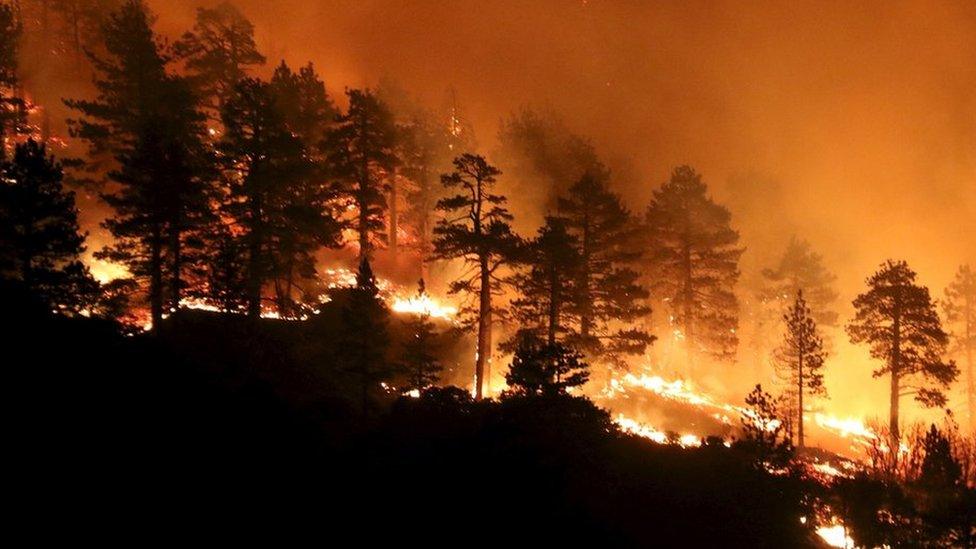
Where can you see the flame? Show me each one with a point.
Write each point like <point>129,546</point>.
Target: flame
<point>629,425</point>
<point>423,305</point>
<point>835,536</point>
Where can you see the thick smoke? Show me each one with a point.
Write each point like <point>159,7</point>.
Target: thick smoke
<point>852,125</point>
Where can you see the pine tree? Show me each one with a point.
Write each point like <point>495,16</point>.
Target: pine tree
<point>219,51</point>
<point>800,358</point>
<point>959,307</point>
<point>475,228</point>
<point>540,368</point>
<point>277,205</point>
<point>13,114</point>
<point>537,146</point>
<point>40,243</point>
<point>763,429</point>
<point>897,319</point>
<point>302,99</point>
<point>419,363</point>
<point>695,264</point>
<point>361,154</point>
<point>425,152</point>
<point>607,289</point>
<point>364,339</point>
<point>800,268</point>
<point>147,120</point>
<point>547,283</point>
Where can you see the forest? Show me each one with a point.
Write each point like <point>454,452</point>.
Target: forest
<point>240,296</point>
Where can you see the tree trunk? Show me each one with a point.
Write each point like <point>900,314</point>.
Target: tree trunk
<point>895,376</point>
<point>586,316</point>
<point>176,275</point>
<point>254,261</point>
<point>484,328</point>
<point>394,219</point>
<point>971,384</point>
<point>688,292</point>
<point>156,278</point>
<point>553,308</point>
<point>799,415</point>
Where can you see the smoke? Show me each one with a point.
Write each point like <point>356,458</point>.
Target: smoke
<point>852,125</point>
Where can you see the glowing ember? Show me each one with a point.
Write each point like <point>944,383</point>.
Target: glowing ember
<point>835,536</point>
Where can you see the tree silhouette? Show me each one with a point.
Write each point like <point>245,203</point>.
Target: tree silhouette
<point>304,104</point>
<point>897,319</point>
<point>547,284</point>
<point>13,114</point>
<point>40,243</point>
<point>278,206</point>
<point>419,363</point>
<point>607,290</point>
<point>361,153</point>
<point>475,228</point>
<point>800,358</point>
<point>219,51</point>
<point>147,121</point>
<point>537,146</point>
<point>540,368</point>
<point>694,258</point>
<point>959,307</point>
<point>800,268</point>
<point>763,429</point>
<point>364,337</point>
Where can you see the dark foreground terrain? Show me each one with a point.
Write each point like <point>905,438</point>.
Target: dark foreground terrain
<point>234,427</point>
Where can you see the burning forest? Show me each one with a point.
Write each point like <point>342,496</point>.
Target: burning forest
<point>563,272</point>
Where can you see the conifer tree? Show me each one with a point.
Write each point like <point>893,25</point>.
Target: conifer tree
<point>800,358</point>
<point>40,242</point>
<point>959,307</point>
<point>540,368</point>
<point>303,102</point>
<point>607,288</point>
<point>219,51</point>
<point>13,114</point>
<point>800,268</point>
<point>547,283</point>
<point>277,205</point>
<point>694,257</point>
<point>147,121</point>
<point>420,364</point>
<point>364,340</point>
<point>361,154</point>
<point>475,228</point>
<point>896,318</point>
<point>763,429</point>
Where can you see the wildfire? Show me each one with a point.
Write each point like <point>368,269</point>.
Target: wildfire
<point>835,536</point>
<point>642,430</point>
<point>423,304</point>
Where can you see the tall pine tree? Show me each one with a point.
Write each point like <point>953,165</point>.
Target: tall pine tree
<point>361,154</point>
<point>694,258</point>
<point>147,120</point>
<point>13,114</point>
<point>799,360</point>
<point>40,242</point>
<point>896,318</point>
<point>959,306</point>
<point>475,228</point>
<point>608,292</point>
<point>277,205</point>
<point>800,268</point>
<point>364,337</point>
<point>547,283</point>
<point>219,51</point>
<point>419,361</point>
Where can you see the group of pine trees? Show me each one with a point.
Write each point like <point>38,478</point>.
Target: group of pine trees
<point>224,187</point>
